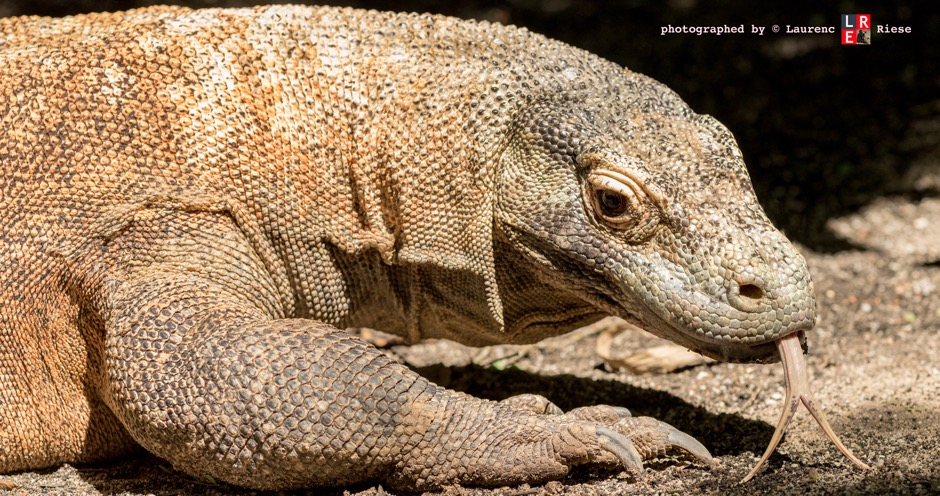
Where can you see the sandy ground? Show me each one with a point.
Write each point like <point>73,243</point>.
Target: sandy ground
<point>875,370</point>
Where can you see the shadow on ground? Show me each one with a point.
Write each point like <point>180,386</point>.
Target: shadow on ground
<point>723,434</point>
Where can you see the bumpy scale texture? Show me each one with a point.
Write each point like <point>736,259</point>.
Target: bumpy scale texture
<point>193,204</point>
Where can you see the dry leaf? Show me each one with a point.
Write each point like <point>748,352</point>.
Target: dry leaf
<point>658,359</point>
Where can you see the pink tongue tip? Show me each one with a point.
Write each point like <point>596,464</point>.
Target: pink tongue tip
<point>797,380</point>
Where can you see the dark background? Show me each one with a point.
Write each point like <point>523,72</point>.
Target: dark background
<point>825,128</point>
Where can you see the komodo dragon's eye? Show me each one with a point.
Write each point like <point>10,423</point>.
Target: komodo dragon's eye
<point>612,204</point>
<point>615,198</point>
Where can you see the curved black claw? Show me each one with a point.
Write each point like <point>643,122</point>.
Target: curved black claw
<point>622,447</point>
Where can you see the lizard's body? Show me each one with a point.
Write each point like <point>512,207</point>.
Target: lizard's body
<point>193,202</point>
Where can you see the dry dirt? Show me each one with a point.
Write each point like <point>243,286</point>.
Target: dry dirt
<point>873,357</point>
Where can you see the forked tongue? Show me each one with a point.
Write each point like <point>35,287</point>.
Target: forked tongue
<point>797,377</point>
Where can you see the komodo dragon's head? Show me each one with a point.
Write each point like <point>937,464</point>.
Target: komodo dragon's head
<point>643,209</point>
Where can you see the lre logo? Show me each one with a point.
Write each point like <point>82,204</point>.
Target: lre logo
<point>856,29</point>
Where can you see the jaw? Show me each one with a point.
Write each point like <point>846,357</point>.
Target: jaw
<point>758,353</point>
<point>722,347</point>
<point>713,342</point>
<point>673,306</point>
<point>655,294</point>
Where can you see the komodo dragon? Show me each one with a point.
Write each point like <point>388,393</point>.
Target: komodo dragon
<point>196,203</point>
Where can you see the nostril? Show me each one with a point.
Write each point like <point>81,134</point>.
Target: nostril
<point>750,294</point>
<point>751,291</point>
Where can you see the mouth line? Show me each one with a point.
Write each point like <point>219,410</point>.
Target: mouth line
<point>659,320</point>
<point>774,356</point>
<point>765,351</point>
<point>708,309</point>
<point>677,309</point>
<point>729,351</point>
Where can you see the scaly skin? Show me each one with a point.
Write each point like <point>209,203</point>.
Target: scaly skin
<point>196,202</point>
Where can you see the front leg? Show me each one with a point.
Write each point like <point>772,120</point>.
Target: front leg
<point>207,381</point>
<point>204,371</point>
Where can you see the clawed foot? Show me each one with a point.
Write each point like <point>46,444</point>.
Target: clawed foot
<point>625,440</point>
<point>633,439</point>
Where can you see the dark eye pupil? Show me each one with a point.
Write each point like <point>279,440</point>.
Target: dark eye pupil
<point>613,204</point>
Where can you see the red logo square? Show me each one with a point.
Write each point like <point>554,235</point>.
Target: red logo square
<point>848,36</point>
<point>862,21</point>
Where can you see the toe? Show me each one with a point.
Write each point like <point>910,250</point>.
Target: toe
<point>654,438</point>
<point>599,414</point>
<point>532,403</point>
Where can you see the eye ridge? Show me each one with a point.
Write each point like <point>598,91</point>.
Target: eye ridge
<point>616,198</point>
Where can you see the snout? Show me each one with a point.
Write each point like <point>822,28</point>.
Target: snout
<point>738,322</point>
